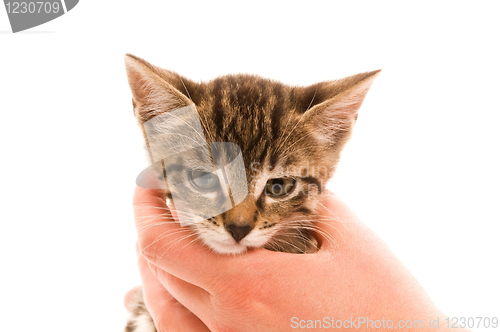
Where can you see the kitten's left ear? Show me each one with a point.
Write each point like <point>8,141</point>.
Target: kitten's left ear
<point>154,90</point>
<point>334,118</point>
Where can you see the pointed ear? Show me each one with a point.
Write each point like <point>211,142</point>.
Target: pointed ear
<point>152,94</point>
<point>334,117</point>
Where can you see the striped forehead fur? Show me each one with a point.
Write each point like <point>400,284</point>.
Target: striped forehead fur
<point>264,117</point>
<point>273,123</point>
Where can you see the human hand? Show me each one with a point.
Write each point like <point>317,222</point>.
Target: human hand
<point>188,287</point>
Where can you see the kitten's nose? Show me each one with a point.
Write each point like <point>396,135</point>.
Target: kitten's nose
<point>238,232</point>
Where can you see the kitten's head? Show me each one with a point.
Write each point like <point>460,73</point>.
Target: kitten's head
<point>290,140</point>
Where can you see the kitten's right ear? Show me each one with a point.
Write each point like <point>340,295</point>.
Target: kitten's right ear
<point>334,117</point>
<point>152,94</point>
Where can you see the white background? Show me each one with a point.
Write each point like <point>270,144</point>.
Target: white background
<point>422,168</point>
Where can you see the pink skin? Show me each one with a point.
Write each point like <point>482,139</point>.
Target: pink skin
<point>262,290</point>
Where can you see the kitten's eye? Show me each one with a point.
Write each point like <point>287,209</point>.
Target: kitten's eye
<point>203,180</point>
<point>280,187</point>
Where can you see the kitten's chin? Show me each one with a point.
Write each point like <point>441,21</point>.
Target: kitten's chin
<point>226,249</point>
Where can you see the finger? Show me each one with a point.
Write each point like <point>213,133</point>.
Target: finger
<point>187,294</point>
<point>167,245</point>
<point>167,313</point>
<point>194,298</point>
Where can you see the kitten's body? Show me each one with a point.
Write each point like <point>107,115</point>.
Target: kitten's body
<point>290,138</point>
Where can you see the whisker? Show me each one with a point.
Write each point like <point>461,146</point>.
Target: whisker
<point>140,207</point>
<point>163,235</point>
<point>288,243</point>
<point>180,240</point>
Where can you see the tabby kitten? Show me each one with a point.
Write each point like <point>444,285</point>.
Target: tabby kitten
<point>290,139</point>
